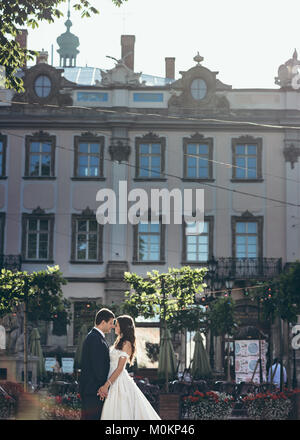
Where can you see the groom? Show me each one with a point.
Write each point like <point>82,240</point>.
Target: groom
<point>95,365</point>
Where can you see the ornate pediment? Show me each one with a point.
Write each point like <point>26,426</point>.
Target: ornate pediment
<point>58,90</point>
<point>198,89</point>
<point>120,75</point>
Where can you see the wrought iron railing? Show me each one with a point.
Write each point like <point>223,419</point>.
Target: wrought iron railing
<point>246,268</point>
<point>10,262</point>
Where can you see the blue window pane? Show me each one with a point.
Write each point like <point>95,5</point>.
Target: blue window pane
<point>83,161</point>
<point>94,161</point>
<point>192,248</point>
<point>34,165</point>
<point>191,239</point>
<point>34,147</point>
<point>155,148</point>
<point>251,174</point>
<point>144,148</point>
<point>252,149</point>
<point>83,148</point>
<point>46,148</point>
<point>191,172</point>
<point>1,146</point>
<point>94,148</point>
<point>83,171</point>
<point>203,173</point>
<point>241,227</point>
<point>203,149</point>
<point>154,256</point>
<point>240,171</point>
<point>94,171</point>
<point>240,149</point>
<point>192,148</point>
<point>252,162</point>
<point>192,162</point>
<point>252,227</point>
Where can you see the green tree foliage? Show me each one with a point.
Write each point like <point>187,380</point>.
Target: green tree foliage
<point>221,319</point>
<point>17,14</point>
<point>41,290</point>
<point>280,297</point>
<point>163,294</point>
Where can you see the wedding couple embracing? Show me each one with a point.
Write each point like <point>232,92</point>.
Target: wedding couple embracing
<point>107,391</point>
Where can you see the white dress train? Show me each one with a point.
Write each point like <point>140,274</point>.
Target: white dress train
<point>125,401</point>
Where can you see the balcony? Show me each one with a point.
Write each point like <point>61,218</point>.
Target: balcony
<point>248,268</point>
<point>11,262</point>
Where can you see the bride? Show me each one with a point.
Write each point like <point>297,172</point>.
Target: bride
<point>124,401</point>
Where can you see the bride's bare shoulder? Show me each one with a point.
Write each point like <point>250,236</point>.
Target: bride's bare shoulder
<point>127,347</point>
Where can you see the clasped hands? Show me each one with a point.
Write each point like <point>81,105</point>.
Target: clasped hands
<point>102,392</point>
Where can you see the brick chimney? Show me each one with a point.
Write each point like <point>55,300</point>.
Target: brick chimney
<point>170,68</point>
<point>42,57</point>
<point>127,54</point>
<point>21,38</point>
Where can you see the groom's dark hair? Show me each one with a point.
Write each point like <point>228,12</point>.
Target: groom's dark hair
<point>103,315</point>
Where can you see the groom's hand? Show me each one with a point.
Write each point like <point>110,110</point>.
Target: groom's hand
<point>102,394</point>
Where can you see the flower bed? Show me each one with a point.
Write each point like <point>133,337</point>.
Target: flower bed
<point>270,406</point>
<point>207,406</point>
<point>66,407</point>
<point>9,397</point>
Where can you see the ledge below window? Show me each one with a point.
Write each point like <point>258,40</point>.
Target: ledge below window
<point>37,261</point>
<point>39,178</point>
<point>190,179</point>
<point>247,180</point>
<point>145,263</point>
<point>86,262</point>
<point>88,179</point>
<point>150,179</point>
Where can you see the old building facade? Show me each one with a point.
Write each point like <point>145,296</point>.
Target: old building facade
<point>77,130</point>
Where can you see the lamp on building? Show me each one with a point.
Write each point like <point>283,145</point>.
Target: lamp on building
<point>229,285</point>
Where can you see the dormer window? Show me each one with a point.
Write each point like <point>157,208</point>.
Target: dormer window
<point>198,89</point>
<point>42,86</point>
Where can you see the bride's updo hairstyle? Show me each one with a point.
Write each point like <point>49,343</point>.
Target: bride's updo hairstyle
<point>127,333</point>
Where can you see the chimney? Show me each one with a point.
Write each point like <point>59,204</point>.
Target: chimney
<point>21,38</point>
<point>127,45</point>
<point>170,68</point>
<point>42,57</point>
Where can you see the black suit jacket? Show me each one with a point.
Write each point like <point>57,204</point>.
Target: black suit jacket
<point>94,363</point>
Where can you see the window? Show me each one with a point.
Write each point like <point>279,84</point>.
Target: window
<point>88,162</point>
<point>150,157</point>
<point>3,143</point>
<point>197,159</point>
<point>247,245</point>
<point>40,155</point>
<point>197,247</point>
<point>42,86</point>
<point>247,159</point>
<point>198,89</point>
<point>149,241</point>
<point>37,243</point>
<point>246,240</point>
<point>86,238</point>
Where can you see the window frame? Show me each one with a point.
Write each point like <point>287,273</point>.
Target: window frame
<point>150,138</point>
<point>248,218</point>
<point>162,231</point>
<point>40,137</point>
<point>197,139</point>
<point>85,216</point>
<point>210,220</point>
<point>88,139</point>
<point>37,215</point>
<point>247,140</point>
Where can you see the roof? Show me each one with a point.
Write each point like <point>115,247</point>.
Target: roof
<point>88,75</point>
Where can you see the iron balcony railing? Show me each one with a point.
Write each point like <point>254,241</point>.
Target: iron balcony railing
<point>245,268</point>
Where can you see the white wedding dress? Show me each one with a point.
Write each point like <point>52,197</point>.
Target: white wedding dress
<point>125,401</point>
